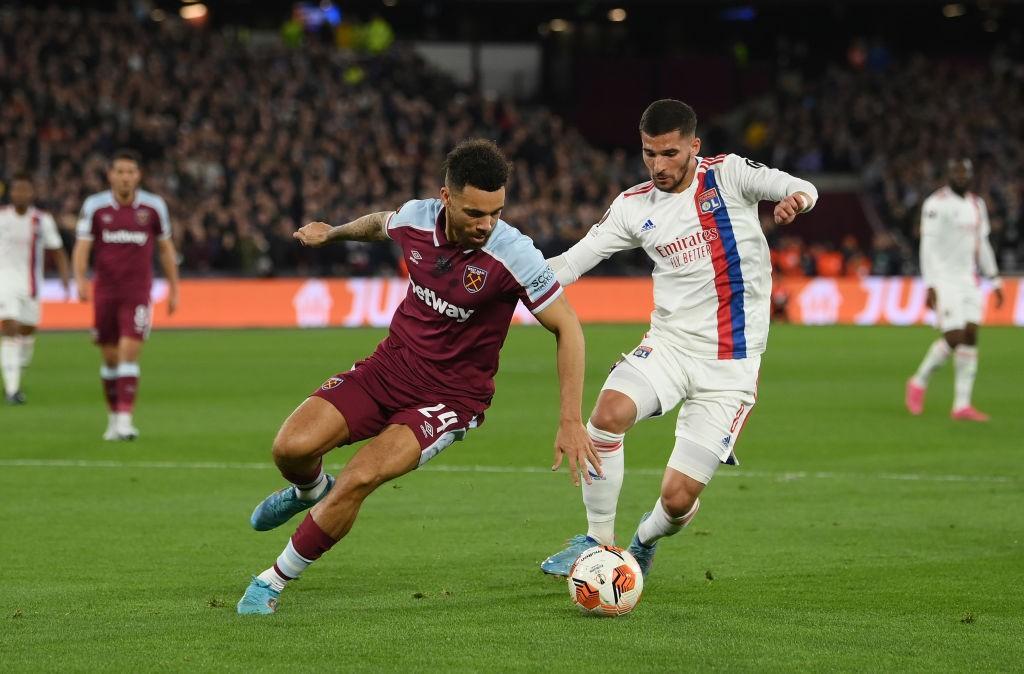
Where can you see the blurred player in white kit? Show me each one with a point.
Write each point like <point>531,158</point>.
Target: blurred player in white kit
<point>25,233</point>
<point>954,246</point>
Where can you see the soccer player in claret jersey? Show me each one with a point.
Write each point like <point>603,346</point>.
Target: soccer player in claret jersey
<point>431,379</point>
<point>121,225</point>
<point>25,231</point>
<point>954,240</point>
<point>697,220</point>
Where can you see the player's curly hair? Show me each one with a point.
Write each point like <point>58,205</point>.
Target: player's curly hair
<point>666,116</point>
<point>477,162</point>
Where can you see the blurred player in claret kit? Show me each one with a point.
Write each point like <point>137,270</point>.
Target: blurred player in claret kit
<point>120,227</point>
<point>697,220</point>
<point>431,379</point>
<point>25,232</point>
<point>954,245</point>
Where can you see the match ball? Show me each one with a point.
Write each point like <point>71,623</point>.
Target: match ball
<point>606,580</point>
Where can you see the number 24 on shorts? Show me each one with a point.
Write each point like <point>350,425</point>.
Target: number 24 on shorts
<point>446,419</point>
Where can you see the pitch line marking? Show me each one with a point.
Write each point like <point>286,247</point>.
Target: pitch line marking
<point>785,476</point>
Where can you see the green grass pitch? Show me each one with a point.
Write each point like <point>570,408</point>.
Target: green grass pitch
<point>853,537</point>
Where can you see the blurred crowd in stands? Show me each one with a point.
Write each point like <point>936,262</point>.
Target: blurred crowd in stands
<point>249,141</point>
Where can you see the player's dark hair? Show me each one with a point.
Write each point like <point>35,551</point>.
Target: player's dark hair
<point>477,162</point>
<point>128,154</point>
<point>666,116</point>
<point>23,176</point>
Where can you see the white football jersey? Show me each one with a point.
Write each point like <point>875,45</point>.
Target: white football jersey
<point>712,269</point>
<point>954,239</point>
<point>22,240</point>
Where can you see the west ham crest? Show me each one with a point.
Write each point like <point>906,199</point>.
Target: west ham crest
<point>474,278</point>
<point>142,217</point>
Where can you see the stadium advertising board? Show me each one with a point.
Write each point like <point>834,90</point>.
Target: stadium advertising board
<point>280,303</point>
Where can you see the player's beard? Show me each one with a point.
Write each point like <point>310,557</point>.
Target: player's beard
<point>674,186</point>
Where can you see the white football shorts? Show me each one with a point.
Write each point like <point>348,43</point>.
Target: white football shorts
<point>717,395</point>
<point>19,307</point>
<point>956,306</point>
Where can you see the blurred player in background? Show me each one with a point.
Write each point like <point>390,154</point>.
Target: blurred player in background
<point>431,379</point>
<point>954,242</point>
<point>121,224</point>
<point>697,220</point>
<point>25,231</point>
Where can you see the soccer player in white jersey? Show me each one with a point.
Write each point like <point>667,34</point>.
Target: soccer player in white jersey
<point>25,231</point>
<point>697,220</point>
<point>954,236</point>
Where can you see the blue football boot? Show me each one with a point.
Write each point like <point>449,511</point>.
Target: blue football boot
<point>644,554</point>
<point>259,598</point>
<point>560,563</point>
<point>281,506</point>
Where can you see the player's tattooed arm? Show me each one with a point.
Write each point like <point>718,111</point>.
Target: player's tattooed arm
<point>371,227</point>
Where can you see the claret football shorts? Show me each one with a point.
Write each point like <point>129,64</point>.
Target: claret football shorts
<point>370,402</point>
<point>117,318</point>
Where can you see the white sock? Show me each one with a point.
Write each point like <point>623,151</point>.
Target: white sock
<point>602,496</point>
<point>274,579</point>
<point>313,490</point>
<point>936,357</point>
<point>123,418</point>
<point>965,362</point>
<point>289,566</point>
<point>660,524</point>
<point>28,347</point>
<point>10,364</point>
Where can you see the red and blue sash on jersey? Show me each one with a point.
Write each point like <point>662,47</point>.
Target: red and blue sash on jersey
<point>714,216</point>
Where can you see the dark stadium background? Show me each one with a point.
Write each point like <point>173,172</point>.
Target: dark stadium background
<point>818,89</point>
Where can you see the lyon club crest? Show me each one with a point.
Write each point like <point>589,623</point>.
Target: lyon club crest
<point>709,201</point>
<point>474,278</point>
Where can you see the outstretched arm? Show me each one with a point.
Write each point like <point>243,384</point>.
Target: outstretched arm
<point>572,439</point>
<point>372,227</point>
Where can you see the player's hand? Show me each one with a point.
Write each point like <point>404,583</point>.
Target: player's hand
<point>574,442</point>
<point>313,234</point>
<point>172,302</point>
<point>998,292</point>
<point>84,291</point>
<point>929,300</point>
<point>787,209</point>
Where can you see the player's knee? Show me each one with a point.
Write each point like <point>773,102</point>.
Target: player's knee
<point>954,338</point>
<point>971,335</point>
<point>291,447</point>
<point>613,418</point>
<point>678,502</point>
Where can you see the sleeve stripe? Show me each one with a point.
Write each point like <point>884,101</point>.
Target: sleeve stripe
<point>542,303</point>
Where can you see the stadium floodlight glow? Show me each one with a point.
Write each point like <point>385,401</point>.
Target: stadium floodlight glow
<point>953,10</point>
<point>559,26</point>
<point>618,14</point>
<point>193,12</point>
